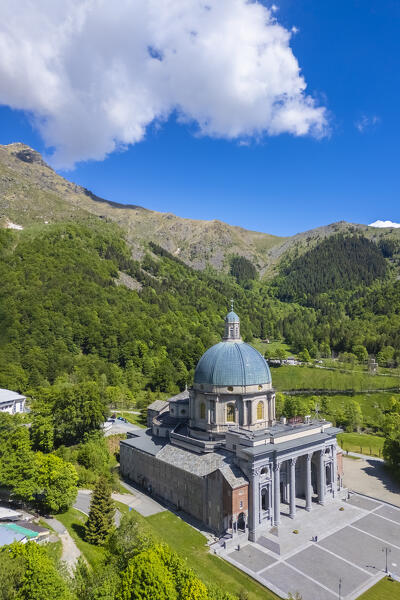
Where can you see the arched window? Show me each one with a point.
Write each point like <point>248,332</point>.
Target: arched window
<point>260,411</point>
<point>230,413</point>
<point>202,411</point>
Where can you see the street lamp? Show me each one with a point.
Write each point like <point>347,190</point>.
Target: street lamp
<point>387,551</point>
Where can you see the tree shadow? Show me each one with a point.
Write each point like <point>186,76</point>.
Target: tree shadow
<point>79,529</point>
<point>382,472</point>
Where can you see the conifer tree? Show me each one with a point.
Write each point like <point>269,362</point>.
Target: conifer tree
<point>101,514</point>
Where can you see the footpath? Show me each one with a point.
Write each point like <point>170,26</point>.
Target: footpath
<point>70,551</point>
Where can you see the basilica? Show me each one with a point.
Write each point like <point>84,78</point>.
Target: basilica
<point>217,452</point>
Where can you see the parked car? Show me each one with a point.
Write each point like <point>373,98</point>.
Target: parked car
<point>122,419</point>
<point>111,420</point>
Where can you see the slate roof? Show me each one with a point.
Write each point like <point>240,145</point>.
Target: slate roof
<point>181,396</point>
<point>233,476</point>
<point>197,464</point>
<point>145,442</point>
<point>157,405</point>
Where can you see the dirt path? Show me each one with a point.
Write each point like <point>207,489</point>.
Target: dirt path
<point>70,551</point>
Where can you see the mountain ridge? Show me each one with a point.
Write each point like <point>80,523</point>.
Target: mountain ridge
<point>31,192</point>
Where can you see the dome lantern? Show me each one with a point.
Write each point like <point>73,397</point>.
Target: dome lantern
<point>232,326</point>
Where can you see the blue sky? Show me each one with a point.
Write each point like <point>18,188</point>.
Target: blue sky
<point>349,54</point>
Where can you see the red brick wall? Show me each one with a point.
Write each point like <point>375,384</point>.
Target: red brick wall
<point>240,495</point>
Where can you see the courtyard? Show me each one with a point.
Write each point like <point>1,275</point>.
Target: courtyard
<point>348,557</point>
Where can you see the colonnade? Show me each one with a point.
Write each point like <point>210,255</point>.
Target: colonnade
<point>321,483</point>
<point>274,479</point>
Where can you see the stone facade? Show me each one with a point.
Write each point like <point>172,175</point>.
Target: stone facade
<point>216,451</point>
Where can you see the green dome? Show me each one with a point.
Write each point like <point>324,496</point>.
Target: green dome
<point>232,364</point>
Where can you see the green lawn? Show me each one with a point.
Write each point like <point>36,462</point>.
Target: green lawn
<point>313,378</point>
<point>362,443</point>
<point>73,521</point>
<point>191,544</point>
<point>386,589</point>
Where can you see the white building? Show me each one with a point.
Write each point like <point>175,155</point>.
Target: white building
<point>11,402</point>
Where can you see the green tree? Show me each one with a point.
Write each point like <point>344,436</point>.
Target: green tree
<point>17,460</point>
<point>304,355</point>
<point>292,407</point>
<point>325,350</point>
<point>37,577</point>
<point>280,353</point>
<point>279,404</point>
<point>56,481</point>
<point>391,450</point>
<point>352,415</point>
<point>93,454</point>
<point>147,578</point>
<point>101,583</point>
<point>242,269</point>
<point>101,514</point>
<point>386,356</point>
<point>42,433</point>
<point>129,539</point>
<point>12,570</point>
<point>361,352</point>
<point>193,589</point>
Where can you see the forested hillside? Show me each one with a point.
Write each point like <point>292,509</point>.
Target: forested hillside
<point>65,312</point>
<point>340,262</point>
<point>74,305</point>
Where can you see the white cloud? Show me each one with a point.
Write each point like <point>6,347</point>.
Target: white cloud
<point>295,29</point>
<point>365,122</point>
<point>95,74</point>
<point>384,224</point>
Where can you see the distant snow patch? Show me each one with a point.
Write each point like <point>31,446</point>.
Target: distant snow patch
<point>380,223</point>
<point>13,226</point>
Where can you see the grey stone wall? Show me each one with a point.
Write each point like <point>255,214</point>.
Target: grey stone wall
<point>201,497</point>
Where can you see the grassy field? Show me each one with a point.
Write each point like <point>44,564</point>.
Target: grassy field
<point>191,544</point>
<point>314,378</point>
<point>362,443</point>
<point>73,521</point>
<point>386,589</point>
<point>272,347</point>
<point>182,538</point>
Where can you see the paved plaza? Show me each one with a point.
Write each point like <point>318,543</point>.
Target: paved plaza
<point>370,476</point>
<point>351,552</point>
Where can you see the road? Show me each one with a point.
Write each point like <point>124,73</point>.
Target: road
<point>121,427</point>
<point>133,498</point>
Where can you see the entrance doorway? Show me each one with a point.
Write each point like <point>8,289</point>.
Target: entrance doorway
<point>241,522</point>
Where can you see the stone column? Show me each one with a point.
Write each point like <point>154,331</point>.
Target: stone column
<point>277,493</point>
<point>254,504</point>
<point>321,478</point>
<point>308,482</point>
<point>292,497</point>
<point>334,471</point>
